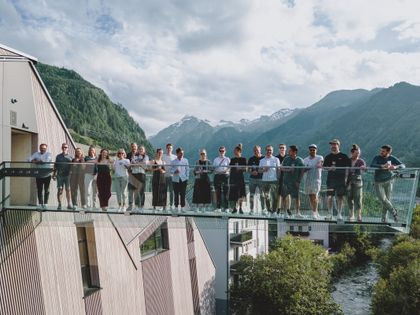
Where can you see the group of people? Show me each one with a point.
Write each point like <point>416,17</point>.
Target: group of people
<point>278,179</point>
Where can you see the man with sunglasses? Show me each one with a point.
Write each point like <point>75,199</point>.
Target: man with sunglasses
<point>385,163</point>
<point>61,172</point>
<point>221,179</point>
<point>42,159</point>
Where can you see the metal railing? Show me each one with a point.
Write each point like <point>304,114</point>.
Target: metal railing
<point>18,191</point>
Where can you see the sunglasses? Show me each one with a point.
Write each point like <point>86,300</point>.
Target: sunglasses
<point>202,153</point>
<point>221,150</point>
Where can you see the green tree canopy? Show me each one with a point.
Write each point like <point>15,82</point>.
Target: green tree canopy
<point>293,278</point>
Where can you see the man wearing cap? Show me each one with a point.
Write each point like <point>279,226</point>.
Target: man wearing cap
<point>293,173</point>
<point>335,163</point>
<point>280,200</point>
<point>313,163</point>
<point>385,163</point>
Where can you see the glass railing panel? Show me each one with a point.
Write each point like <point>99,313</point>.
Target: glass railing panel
<point>19,190</point>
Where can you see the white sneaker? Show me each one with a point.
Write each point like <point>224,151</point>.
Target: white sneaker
<point>315,216</point>
<point>218,210</point>
<point>339,217</point>
<point>299,215</point>
<point>352,218</point>
<point>329,217</point>
<point>84,207</point>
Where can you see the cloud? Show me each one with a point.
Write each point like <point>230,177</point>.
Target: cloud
<point>219,59</point>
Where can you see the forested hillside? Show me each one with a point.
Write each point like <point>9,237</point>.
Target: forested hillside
<point>88,112</point>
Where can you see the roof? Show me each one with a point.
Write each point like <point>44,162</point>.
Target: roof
<point>15,53</point>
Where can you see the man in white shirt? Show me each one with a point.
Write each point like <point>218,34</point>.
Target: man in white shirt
<point>180,171</point>
<point>167,158</point>
<point>43,159</point>
<point>270,167</point>
<point>313,163</point>
<point>221,179</point>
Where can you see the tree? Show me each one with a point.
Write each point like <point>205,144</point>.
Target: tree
<point>293,278</point>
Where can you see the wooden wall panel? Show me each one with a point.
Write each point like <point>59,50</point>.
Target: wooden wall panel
<point>158,289</point>
<point>20,285</point>
<point>60,264</point>
<point>121,283</point>
<point>180,266</point>
<point>206,274</point>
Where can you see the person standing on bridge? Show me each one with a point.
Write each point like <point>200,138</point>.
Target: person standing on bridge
<point>202,189</point>
<point>61,172</point>
<point>355,184</point>
<point>77,178</point>
<point>168,157</point>
<point>43,159</point>
<point>385,164</point>
<point>158,181</point>
<point>221,179</point>
<point>103,179</point>
<point>313,163</point>
<point>293,173</point>
<point>336,163</point>
<point>255,178</point>
<point>270,167</point>
<point>236,181</point>
<point>180,171</point>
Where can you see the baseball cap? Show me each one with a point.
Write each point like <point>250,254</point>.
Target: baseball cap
<point>313,146</point>
<point>335,141</point>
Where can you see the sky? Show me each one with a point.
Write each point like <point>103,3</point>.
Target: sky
<point>219,59</point>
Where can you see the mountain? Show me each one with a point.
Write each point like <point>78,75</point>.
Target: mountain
<point>368,118</point>
<point>87,111</point>
<point>192,133</point>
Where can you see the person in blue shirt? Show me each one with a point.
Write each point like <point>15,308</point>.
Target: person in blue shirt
<point>385,164</point>
<point>180,174</point>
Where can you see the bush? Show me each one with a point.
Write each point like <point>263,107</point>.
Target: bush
<point>400,293</point>
<point>404,251</point>
<point>294,278</point>
<point>415,223</point>
<point>343,260</point>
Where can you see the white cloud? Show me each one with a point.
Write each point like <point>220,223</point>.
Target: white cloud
<point>219,59</point>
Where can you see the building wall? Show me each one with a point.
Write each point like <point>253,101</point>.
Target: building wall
<point>20,283</point>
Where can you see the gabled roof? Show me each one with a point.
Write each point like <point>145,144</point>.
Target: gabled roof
<point>11,52</point>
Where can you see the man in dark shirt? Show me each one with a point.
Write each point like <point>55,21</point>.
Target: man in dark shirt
<point>336,179</point>
<point>255,178</point>
<point>385,164</point>
<point>281,201</point>
<point>61,172</point>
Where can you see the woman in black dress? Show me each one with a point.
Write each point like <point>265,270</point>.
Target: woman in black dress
<point>103,181</point>
<point>158,181</point>
<point>237,182</point>
<point>202,188</point>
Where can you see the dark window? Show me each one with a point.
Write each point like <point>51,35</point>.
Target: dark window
<point>156,243</point>
<point>87,254</point>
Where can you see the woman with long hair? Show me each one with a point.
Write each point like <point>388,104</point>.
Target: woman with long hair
<point>202,188</point>
<point>158,181</point>
<point>90,181</point>
<point>77,178</point>
<point>121,165</point>
<point>103,179</point>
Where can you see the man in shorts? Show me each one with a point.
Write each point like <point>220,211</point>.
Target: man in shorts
<point>292,167</point>
<point>61,172</point>
<point>336,163</point>
<point>313,163</point>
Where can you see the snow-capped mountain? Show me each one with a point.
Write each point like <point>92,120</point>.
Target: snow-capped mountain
<point>192,133</point>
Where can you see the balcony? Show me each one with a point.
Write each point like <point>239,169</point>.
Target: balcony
<point>18,192</point>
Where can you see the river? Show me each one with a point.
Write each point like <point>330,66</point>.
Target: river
<point>353,291</point>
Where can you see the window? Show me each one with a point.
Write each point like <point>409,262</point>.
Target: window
<point>88,262</point>
<point>156,243</point>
